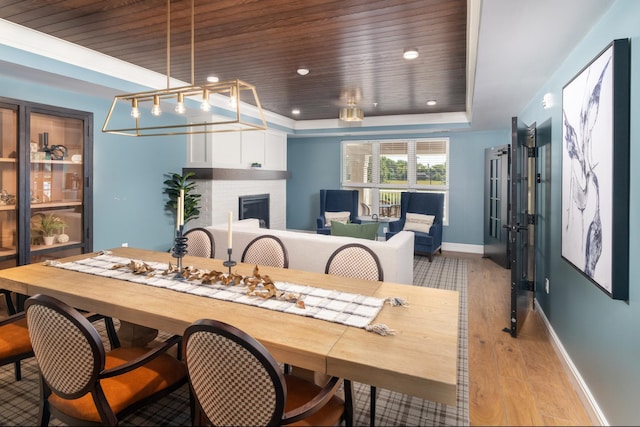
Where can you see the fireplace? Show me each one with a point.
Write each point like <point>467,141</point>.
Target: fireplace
<point>255,206</point>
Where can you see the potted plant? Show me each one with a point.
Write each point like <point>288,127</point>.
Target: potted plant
<point>48,226</point>
<point>174,184</point>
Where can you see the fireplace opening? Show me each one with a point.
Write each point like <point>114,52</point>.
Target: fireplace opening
<point>254,206</point>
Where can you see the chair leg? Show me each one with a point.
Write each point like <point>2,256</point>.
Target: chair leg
<point>111,332</point>
<point>44,414</point>
<point>430,257</point>
<point>18,371</point>
<point>372,410</point>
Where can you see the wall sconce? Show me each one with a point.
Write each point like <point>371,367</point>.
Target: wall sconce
<point>547,101</point>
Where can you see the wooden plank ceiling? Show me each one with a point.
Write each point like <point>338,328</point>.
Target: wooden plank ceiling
<point>352,47</point>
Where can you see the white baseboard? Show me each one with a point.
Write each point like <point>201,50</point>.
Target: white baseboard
<point>463,247</point>
<point>588,401</point>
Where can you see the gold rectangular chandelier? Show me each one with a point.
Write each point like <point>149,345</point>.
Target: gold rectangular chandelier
<point>146,116</point>
<point>141,113</point>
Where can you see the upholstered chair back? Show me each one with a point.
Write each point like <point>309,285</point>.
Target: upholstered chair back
<point>422,203</point>
<point>339,200</point>
<point>266,250</point>
<point>200,243</point>
<point>68,349</point>
<point>355,260</point>
<point>234,380</point>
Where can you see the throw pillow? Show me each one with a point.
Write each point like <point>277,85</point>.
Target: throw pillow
<point>418,222</point>
<point>342,217</point>
<point>359,231</point>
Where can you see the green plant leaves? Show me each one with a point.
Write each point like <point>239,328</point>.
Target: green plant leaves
<point>173,185</point>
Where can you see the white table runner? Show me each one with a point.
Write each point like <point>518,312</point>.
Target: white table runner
<point>334,306</point>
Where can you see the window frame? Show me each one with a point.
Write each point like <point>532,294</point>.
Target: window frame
<point>412,177</point>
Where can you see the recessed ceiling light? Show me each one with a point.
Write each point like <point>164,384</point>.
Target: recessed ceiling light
<point>302,71</point>
<point>410,54</point>
<point>295,111</point>
<point>213,79</point>
<point>432,102</point>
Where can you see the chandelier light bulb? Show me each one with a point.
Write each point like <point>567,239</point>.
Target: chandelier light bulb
<point>135,111</point>
<point>180,105</point>
<point>155,110</point>
<point>205,106</point>
<point>233,98</point>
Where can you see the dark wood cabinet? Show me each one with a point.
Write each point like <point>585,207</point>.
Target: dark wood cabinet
<point>46,194</point>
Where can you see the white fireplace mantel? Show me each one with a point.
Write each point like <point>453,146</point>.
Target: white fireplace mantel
<point>222,166</point>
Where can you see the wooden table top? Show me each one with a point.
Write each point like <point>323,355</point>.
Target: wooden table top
<point>420,360</point>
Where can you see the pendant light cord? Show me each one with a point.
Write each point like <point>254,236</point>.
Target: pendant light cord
<point>193,82</point>
<point>168,44</point>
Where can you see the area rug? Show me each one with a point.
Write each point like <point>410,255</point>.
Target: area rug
<point>392,408</point>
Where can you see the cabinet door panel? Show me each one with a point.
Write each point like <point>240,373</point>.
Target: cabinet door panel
<point>8,186</point>
<point>57,191</point>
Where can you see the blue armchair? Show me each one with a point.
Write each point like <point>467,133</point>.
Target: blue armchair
<point>337,201</point>
<point>426,204</point>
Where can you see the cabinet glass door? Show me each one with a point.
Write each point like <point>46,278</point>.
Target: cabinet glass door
<point>56,186</point>
<point>8,186</point>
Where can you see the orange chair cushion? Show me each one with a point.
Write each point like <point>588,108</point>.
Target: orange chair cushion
<point>14,339</point>
<point>300,391</point>
<point>124,390</point>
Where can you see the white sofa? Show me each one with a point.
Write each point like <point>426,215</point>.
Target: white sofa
<point>310,251</point>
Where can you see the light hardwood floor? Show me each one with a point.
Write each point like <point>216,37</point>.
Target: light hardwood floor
<point>512,381</point>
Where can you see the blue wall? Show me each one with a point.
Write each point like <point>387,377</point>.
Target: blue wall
<point>600,335</point>
<point>315,164</point>
<point>128,172</point>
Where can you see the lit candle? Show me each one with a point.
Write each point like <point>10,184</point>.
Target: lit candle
<point>229,231</point>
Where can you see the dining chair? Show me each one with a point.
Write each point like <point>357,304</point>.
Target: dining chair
<point>266,250</point>
<point>14,342</point>
<point>200,242</point>
<point>357,261</point>
<point>80,382</point>
<point>16,346</point>
<point>236,381</point>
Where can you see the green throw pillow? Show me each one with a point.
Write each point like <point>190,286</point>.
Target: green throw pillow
<point>360,231</point>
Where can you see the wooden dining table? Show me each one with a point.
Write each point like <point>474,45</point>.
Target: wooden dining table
<point>420,359</point>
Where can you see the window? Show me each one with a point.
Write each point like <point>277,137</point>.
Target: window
<point>382,170</point>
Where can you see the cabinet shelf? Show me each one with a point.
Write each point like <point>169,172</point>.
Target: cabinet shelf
<point>41,248</point>
<point>7,251</point>
<point>56,162</point>
<point>51,205</point>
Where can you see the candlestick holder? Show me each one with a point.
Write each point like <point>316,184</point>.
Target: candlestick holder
<point>229,263</point>
<point>179,248</point>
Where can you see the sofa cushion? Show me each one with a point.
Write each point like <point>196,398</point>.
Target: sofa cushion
<point>418,222</point>
<point>361,231</point>
<point>342,217</point>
